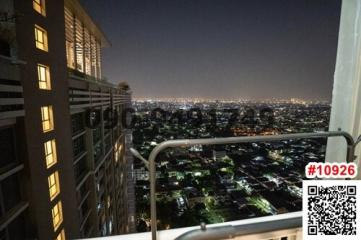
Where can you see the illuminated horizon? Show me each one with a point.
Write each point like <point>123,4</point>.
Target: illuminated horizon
<point>274,100</point>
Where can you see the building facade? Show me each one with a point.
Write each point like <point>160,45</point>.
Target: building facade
<point>63,169</point>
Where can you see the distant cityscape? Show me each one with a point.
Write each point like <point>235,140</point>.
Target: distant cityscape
<point>68,169</point>
<point>213,184</point>
<point>192,100</point>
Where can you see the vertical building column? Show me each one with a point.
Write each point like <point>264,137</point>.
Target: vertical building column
<point>130,182</point>
<point>74,43</point>
<point>83,43</point>
<point>346,95</point>
<point>49,149</point>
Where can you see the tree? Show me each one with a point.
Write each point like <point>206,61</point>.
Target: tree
<point>142,226</point>
<point>124,86</point>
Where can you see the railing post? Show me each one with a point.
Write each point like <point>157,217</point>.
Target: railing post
<point>350,154</point>
<point>153,201</point>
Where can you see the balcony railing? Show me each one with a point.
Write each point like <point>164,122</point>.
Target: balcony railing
<point>11,91</point>
<point>281,226</point>
<point>83,95</point>
<point>85,98</point>
<point>263,228</point>
<point>225,231</point>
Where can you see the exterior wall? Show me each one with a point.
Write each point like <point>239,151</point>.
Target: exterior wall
<point>93,187</point>
<point>40,203</point>
<point>102,186</point>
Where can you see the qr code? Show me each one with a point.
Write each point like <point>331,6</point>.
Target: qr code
<point>331,209</point>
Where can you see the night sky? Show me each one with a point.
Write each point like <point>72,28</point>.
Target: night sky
<point>220,49</point>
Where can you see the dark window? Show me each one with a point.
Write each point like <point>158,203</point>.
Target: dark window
<point>4,48</point>
<point>84,210</point>
<point>10,189</point>
<point>97,134</point>
<point>78,146</point>
<point>7,147</point>
<point>82,192</point>
<point>108,143</point>
<point>86,229</point>
<point>77,123</point>
<point>98,152</point>
<point>80,169</point>
<point>17,228</point>
<point>3,235</point>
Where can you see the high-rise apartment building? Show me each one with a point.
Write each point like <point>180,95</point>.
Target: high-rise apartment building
<point>63,168</point>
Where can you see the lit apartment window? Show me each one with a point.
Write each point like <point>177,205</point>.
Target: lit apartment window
<point>69,38</point>
<point>50,153</point>
<point>47,118</point>
<point>54,186</point>
<point>93,50</point>
<point>61,235</point>
<point>57,214</point>
<point>87,52</point>
<point>98,66</point>
<point>41,38</point>
<point>39,6</point>
<point>44,77</point>
<point>79,45</point>
<point>83,50</point>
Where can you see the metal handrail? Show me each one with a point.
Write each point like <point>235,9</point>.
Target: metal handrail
<point>286,221</point>
<point>229,140</point>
